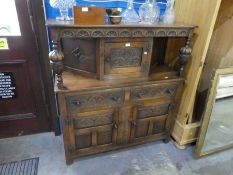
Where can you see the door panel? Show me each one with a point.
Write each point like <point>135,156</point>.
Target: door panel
<point>149,120</point>
<point>26,113</point>
<point>93,130</point>
<point>120,58</point>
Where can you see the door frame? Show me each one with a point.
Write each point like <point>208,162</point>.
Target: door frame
<point>37,10</point>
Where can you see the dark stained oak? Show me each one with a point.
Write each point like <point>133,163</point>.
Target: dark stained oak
<point>113,85</point>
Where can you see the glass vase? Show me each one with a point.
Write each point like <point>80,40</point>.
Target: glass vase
<point>63,6</point>
<point>169,15</point>
<point>149,12</point>
<point>130,15</point>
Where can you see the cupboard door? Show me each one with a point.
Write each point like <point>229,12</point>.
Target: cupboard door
<point>94,131</point>
<point>127,57</point>
<point>149,122</point>
<point>80,55</point>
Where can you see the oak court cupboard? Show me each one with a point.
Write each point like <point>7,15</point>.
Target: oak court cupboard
<point>114,87</point>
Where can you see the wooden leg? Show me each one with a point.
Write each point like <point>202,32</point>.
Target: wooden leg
<point>166,140</point>
<point>69,161</point>
<point>168,136</point>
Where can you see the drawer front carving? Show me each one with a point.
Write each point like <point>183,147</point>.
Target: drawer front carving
<point>152,111</point>
<point>95,99</point>
<point>153,91</point>
<point>93,120</point>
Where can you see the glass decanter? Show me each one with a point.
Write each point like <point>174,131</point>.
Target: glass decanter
<point>63,6</point>
<point>130,15</point>
<point>169,15</point>
<point>149,12</point>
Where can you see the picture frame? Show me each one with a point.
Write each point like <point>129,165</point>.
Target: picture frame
<point>202,147</point>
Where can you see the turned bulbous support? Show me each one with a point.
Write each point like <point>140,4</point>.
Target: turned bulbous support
<point>57,57</point>
<point>184,56</point>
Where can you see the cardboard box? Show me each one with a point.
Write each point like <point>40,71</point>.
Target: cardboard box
<point>89,15</point>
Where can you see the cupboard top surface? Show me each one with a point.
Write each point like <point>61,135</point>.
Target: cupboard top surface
<point>75,82</point>
<point>71,24</point>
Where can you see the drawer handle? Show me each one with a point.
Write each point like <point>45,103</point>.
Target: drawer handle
<point>115,126</point>
<point>107,59</point>
<point>133,123</point>
<point>77,103</point>
<point>170,91</point>
<point>140,95</point>
<point>116,98</point>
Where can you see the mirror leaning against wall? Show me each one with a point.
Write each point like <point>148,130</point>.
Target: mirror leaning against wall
<point>216,133</point>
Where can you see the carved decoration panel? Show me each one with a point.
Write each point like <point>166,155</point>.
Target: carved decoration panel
<point>153,91</point>
<point>124,32</point>
<point>125,57</point>
<point>95,100</point>
<point>153,111</point>
<point>80,54</point>
<point>93,121</point>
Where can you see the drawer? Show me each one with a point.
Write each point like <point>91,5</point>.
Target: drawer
<point>94,119</point>
<point>94,99</point>
<point>152,111</point>
<point>153,91</point>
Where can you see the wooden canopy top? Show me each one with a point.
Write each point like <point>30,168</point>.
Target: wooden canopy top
<point>70,29</point>
<point>60,23</point>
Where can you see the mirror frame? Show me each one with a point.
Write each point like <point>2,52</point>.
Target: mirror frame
<point>207,115</point>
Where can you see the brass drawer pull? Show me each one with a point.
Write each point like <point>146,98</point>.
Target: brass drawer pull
<point>107,59</point>
<point>133,123</point>
<point>115,126</point>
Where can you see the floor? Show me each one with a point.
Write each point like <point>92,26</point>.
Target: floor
<point>150,159</point>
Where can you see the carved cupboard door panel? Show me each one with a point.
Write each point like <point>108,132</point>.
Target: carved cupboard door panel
<point>127,57</point>
<point>94,131</point>
<point>80,55</point>
<point>149,121</point>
